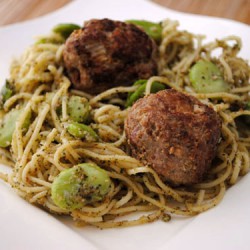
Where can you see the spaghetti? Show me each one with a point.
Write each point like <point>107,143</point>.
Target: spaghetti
<point>39,153</point>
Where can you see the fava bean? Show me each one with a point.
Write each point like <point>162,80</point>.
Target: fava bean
<point>152,29</point>
<point>6,92</point>
<point>8,126</point>
<point>78,109</point>
<point>133,97</point>
<point>65,29</point>
<point>206,77</point>
<point>80,131</point>
<point>83,184</point>
<point>52,40</point>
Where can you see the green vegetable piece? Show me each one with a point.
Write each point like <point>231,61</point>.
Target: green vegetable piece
<point>6,92</point>
<point>80,131</point>
<point>132,98</point>
<point>83,184</point>
<point>9,124</point>
<point>152,29</point>
<point>65,29</point>
<point>44,40</point>
<point>136,95</point>
<point>138,82</point>
<point>206,77</point>
<point>78,109</point>
<point>157,86</point>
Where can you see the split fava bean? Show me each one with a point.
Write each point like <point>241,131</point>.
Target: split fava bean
<point>80,131</point>
<point>78,109</point>
<point>206,77</point>
<point>8,126</point>
<point>82,184</point>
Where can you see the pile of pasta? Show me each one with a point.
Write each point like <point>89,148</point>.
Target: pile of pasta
<point>40,152</point>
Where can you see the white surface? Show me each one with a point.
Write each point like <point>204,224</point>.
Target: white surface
<point>23,226</point>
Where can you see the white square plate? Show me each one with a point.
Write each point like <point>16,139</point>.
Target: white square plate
<point>23,226</point>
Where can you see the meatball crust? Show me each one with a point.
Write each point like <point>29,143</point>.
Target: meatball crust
<point>106,53</point>
<point>175,134</point>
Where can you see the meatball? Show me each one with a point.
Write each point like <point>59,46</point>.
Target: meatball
<point>175,134</point>
<point>106,53</point>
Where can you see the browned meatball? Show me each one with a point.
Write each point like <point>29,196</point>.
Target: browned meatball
<point>175,134</point>
<point>106,53</point>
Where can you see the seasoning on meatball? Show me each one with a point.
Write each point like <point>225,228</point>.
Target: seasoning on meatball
<point>175,134</point>
<point>106,53</point>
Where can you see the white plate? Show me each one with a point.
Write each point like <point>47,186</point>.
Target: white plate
<point>23,226</point>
